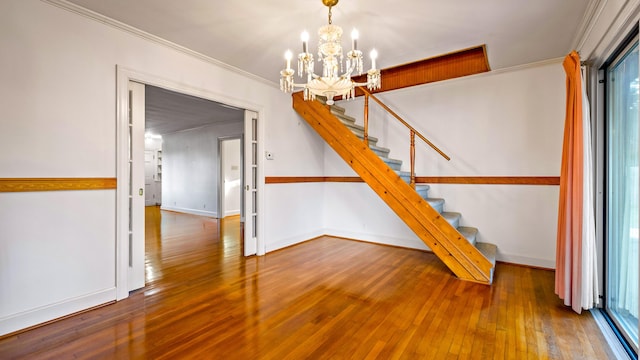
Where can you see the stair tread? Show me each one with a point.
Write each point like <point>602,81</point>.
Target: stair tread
<point>469,233</point>
<point>436,204</point>
<point>372,139</point>
<point>379,148</point>
<point>357,127</point>
<point>451,217</point>
<point>380,151</point>
<point>346,118</point>
<point>323,100</point>
<point>392,161</point>
<point>434,201</point>
<point>405,175</point>
<point>488,250</point>
<point>423,191</point>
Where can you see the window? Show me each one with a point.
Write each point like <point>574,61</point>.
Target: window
<point>622,196</point>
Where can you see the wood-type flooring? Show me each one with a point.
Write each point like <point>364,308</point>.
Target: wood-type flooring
<point>326,298</point>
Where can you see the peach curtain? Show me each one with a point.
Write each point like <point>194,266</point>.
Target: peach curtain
<point>576,277</point>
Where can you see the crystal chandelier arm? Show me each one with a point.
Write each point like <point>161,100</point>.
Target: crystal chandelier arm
<point>354,63</point>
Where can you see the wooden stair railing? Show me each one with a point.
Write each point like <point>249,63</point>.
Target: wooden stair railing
<point>412,132</point>
<point>460,256</point>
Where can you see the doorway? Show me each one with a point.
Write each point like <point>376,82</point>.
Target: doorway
<point>130,175</point>
<point>231,168</point>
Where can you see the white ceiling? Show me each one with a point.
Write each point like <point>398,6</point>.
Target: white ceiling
<point>253,35</point>
<point>168,112</point>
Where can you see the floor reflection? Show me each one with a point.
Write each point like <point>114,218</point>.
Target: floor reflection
<point>327,298</point>
<point>171,237</point>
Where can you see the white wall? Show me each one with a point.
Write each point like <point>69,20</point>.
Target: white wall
<point>58,98</point>
<point>302,206</point>
<point>231,166</point>
<point>294,213</point>
<point>507,123</point>
<point>56,254</point>
<point>190,166</point>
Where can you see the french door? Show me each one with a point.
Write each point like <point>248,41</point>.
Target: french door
<point>622,196</point>
<point>130,200</point>
<point>251,178</point>
<point>136,186</point>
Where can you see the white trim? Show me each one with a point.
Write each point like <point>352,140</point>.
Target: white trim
<point>414,244</point>
<point>407,243</point>
<point>525,260</point>
<point>617,26</point>
<point>231,212</point>
<point>77,9</point>
<point>57,310</point>
<point>294,240</point>
<point>122,185</point>
<point>613,341</point>
<point>532,65</point>
<point>123,76</point>
<point>260,240</point>
<point>591,15</point>
<point>190,211</point>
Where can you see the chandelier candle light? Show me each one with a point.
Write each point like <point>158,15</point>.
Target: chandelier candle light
<point>330,83</point>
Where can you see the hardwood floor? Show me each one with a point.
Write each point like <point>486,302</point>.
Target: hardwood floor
<point>323,299</point>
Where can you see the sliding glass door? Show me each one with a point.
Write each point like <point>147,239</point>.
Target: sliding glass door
<point>622,194</point>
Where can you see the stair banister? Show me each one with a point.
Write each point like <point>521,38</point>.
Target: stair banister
<point>413,131</point>
<point>412,156</point>
<point>366,119</point>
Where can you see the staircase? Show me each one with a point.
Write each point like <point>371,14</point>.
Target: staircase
<point>455,245</point>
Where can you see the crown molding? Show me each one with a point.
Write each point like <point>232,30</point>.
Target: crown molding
<point>79,10</point>
<point>589,19</point>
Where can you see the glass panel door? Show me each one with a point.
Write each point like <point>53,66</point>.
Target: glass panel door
<point>251,183</point>
<point>622,194</point>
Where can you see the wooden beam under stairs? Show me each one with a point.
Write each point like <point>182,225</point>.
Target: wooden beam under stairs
<point>464,260</point>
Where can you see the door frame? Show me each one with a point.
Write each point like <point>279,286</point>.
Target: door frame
<point>123,76</point>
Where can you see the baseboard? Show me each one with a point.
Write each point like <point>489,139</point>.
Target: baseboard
<point>26,319</point>
<point>526,261</point>
<point>293,240</point>
<point>419,245</point>
<point>378,239</point>
<point>607,332</point>
<point>232,213</point>
<point>190,211</point>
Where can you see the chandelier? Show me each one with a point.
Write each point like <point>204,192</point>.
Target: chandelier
<point>331,83</point>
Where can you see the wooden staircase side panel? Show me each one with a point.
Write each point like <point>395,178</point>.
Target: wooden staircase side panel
<point>460,251</point>
<point>444,240</point>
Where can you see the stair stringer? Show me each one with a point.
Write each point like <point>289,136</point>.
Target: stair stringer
<point>461,257</point>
